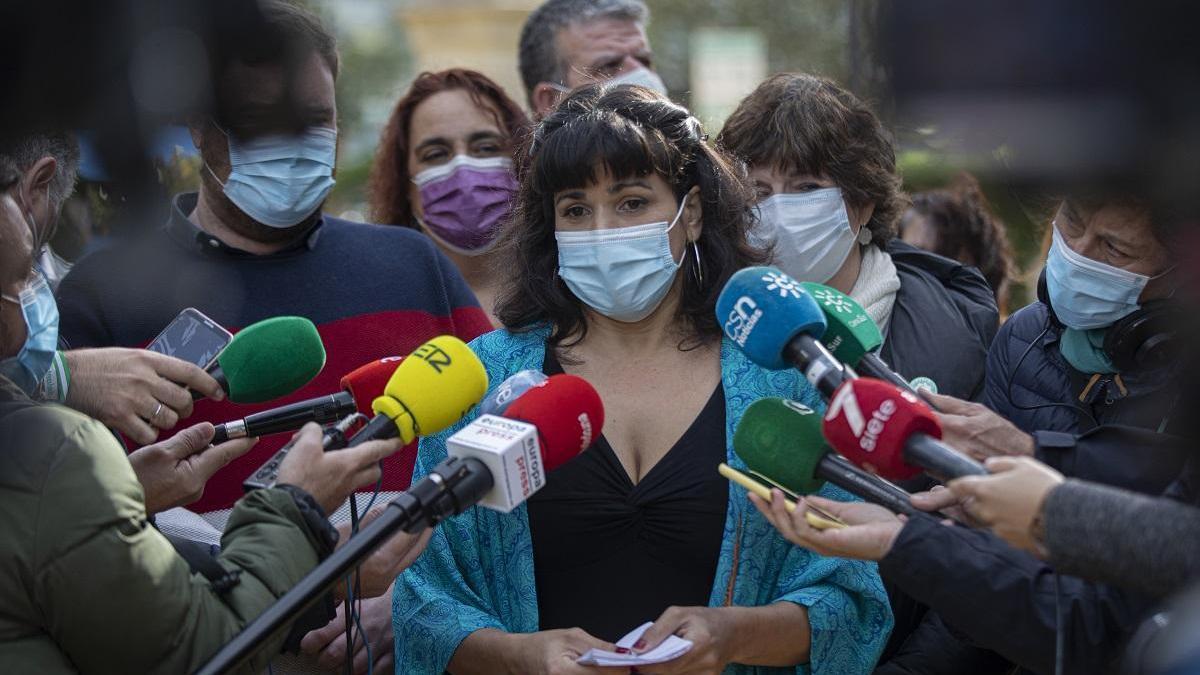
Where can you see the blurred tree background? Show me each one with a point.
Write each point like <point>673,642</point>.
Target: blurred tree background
<point>834,38</point>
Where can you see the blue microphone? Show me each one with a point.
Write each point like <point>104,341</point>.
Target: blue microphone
<point>778,325</point>
<point>496,402</point>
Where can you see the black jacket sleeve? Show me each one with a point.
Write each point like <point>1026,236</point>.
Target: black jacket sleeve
<point>1141,460</point>
<point>1005,600</point>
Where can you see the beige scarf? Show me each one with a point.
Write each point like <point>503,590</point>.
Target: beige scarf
<point>877,285</point>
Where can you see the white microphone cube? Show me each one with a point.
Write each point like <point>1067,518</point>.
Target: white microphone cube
<point>510,450</point>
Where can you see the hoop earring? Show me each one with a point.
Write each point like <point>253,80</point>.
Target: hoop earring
<point>699,273</point>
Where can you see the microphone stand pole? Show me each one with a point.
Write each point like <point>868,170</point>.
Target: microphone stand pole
<point>451,487</point>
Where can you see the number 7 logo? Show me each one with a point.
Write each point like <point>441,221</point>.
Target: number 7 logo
<point>844,403</point>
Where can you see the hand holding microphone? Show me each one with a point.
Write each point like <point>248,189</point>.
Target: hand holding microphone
<point>1010,498</point>
<point>977,432</point>
<point>135,391</point>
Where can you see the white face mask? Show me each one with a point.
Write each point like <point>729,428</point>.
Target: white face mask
<point>810,230</point>
<point>642,77</point>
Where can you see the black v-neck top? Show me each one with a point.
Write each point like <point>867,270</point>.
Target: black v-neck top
<point>609,555</point>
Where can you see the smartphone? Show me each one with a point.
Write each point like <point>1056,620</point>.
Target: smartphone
<point>761,486</point>
<point>193,337</point>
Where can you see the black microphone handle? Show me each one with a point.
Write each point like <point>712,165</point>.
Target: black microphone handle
<point>872,365</point>
<point>820,367</point>
<point>322,410</point>
<point>839,471</point>
<point>452,486</point>
<point>939,459</point>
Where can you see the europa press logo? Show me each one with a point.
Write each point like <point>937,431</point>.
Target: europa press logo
<point>778,281</point>
<point>836,302</point>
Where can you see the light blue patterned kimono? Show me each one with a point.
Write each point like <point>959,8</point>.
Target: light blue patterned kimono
<point>478,570</point>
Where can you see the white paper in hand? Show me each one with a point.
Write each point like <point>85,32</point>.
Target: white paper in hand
<point>670,649</point>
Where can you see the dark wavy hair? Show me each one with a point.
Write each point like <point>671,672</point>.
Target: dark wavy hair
<point>388,186</point>
<point>968,231</point>
<point>625,131</point>
<point>810,125</point>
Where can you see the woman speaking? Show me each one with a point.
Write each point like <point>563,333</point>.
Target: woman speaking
<point>627,225</point>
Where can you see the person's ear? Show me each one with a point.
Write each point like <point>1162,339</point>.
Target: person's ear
<point>35,195</point>
<point>545,99</point>
<point>693,214</point>
<point>860,215</point>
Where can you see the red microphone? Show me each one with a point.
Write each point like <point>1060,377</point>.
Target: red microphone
<point>359,388</point>
<point>366,382</point>
<point>889,431</point>
<point>539,432</point>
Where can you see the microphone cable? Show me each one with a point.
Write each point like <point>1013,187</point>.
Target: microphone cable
<point>1009,389</point>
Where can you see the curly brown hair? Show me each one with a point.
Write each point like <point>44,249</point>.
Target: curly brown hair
<point>623,131</point>
<point>809,125</point>
<point>389,181</point>
<point>968,231</point>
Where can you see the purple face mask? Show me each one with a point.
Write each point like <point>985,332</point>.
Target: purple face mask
<point>465,199</point>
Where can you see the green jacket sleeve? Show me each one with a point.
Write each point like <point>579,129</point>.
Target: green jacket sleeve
<point>114,595</point>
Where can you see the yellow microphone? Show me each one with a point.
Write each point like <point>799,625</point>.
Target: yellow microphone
<point>430,390</point>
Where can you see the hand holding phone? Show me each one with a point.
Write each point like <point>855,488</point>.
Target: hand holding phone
<point>761,486</point>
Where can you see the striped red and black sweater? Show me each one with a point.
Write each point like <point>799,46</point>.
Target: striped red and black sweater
<point>372,290</point>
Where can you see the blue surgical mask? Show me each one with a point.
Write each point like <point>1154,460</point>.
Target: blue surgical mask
<point>1087,293</point>
<point>280,180</point>
<point>622,273</point>
<point>40,310</point>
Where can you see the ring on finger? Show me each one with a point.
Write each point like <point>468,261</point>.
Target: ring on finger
<point>157,409</point>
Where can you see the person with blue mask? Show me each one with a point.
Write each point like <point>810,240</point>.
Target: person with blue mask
<point>134,391</point>
<point>254,242</point>
<point>1087,381</point>
<point>629,225</point>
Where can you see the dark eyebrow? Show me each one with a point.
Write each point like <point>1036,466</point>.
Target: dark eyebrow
<point>621,185</point>
<point>606,59</point>
<point>435,140</point>
<point>484,135</point>
<point>573,194</point>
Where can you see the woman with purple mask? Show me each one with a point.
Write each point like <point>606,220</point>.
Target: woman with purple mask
<point>444,166</point>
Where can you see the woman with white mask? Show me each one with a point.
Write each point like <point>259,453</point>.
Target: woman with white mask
<point>445,167</point>
<point>829,198</point>
<point>627,226</point>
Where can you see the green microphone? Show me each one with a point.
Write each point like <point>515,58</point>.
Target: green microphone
<point>269,359</point>
<point>781,442</point>
<point>852,336</point>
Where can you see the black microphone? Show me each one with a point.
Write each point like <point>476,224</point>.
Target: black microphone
<point>322,410</point>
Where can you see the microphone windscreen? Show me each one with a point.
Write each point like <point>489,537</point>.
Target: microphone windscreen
<point>510,390</point>
<point>366,382</point>
<point>868,422</point>
<point>272,358</point>
<point>433,387</point>
<point>782,440</point>
<point>762,309</point>
<point>568,415</point>
<point>850,332</point>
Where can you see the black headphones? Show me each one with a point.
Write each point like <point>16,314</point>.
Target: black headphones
<point>1147,339</point>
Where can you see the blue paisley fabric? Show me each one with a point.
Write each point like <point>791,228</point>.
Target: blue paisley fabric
<point>478,569</point>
